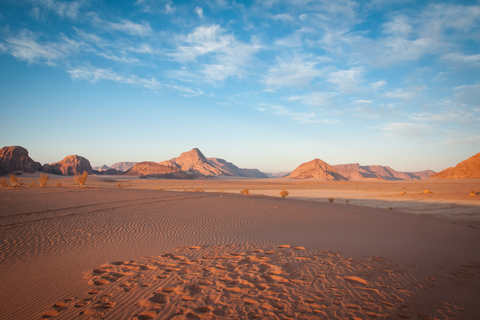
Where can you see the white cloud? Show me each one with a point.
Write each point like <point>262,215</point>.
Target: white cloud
<point>129,27</point>
<point>199,11</point>
<point>405,129</point>
<point>302,117</point>
<point>27,46</point>
<point>293,71</point>
<point>468,94</point>
<point>316,99</point>
<point>212,54</point>
<point>473,59</point>
<point>347,81</point>
<point>62,8</point>
<point>404,94</point>
<point>377,85</point>
<point>94,75</point>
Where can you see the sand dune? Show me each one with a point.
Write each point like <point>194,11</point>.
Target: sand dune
<point>123,253</point>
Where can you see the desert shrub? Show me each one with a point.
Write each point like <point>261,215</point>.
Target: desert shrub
<point>14,180</point>
<point>58,184</point>
<point>283,193</point>
<point>43,180</point>
<point>347,201</point>
<point>33,184</point>
<point>331,200</point>
<point>198,190</point>
<point>245,192</point>
<point>427,191</point>
<point>120,185</point>
<point>80,179</point>
<point>402,193</point>
<point>3,183</point>
<point>472,193</point>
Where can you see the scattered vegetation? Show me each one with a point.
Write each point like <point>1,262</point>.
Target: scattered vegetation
<point>245,192</point>
<point>347,201</point>
<point>43,180</point>
<point>80,179</point>
<point>283,193</point>
<point>14,180</point>
<point>198,190</point>
<point>331,200</point>
<point>402,193</point>
<point>119,184</point>
<point>3,183</point>
<point>58,184</point>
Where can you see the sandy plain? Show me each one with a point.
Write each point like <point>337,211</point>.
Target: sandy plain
<point>161,249</point>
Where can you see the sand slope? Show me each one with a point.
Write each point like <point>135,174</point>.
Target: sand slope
<point>76,252</point>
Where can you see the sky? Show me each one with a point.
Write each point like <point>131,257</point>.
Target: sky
<point>263,84</point>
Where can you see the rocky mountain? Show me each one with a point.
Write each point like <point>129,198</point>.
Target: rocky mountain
<point>70,165</point>
<point>466,169</point>
<point>157,170</point>
<point>318,170</point>
<point>102,168</point>
<point>15,158</point>
<point>277,174</point>
<point>354,171</point>
<point>122,166</point>
<point>229,168</point>
<point>195,163</point>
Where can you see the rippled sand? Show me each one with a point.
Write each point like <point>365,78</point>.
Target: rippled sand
<point>124,253</point>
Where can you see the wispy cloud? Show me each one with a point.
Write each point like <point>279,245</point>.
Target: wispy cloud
<point>62,8</point>
<point>94,75</point>
<point>347,81</point>
<point>124,26</point>
<point>293,71</point>
<point>315,99</point>
<point>405,129</point>
<point>279,110</point>
<point>27,46</point>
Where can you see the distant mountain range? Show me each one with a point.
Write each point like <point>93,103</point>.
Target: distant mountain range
<point>193,164</point>
<point>320,170</point>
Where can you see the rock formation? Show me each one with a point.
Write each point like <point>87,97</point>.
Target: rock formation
<point>318,170</point>
<point>354,171</point>
<point>69,166</point>
<point>122,166</point>
<point>15,158</point>
<point>229,168</point>
<point>157,170</point>
<point>466,169</point>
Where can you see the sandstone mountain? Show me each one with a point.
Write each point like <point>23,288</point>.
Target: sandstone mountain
<point>70,165</point>
<point>318,170</point>
<point>354,171</point>
<point>15,158</point>
<point>195,163</point>
<point>122,166</point>
<point>157,170</point>
<point>466,169</point>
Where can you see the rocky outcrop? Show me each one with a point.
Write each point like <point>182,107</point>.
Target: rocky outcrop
<point>15,158</point>
<point>69,166</point>
<point>354,171</point>
<point>157,170</point>
<point>318,170</point>
<point>122,166</point>
<point>230,169</point>
<point>466,169</point>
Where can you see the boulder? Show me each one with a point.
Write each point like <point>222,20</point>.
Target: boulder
<point>69,166</point>
<point>15,158</point>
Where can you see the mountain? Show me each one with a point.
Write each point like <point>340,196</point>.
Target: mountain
<point>318,170</point>
<point>354,171</point>
<point>278,174</point>
<point>15,158</point>
<point>102,168</point>
<point>466,169</point>
<point>195,163</point>
<point>70,165</point>
<point>229,168</point>
<point>157,170</point>
<point>122,166</point>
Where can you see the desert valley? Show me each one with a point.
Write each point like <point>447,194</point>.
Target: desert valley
<point>200,238</point>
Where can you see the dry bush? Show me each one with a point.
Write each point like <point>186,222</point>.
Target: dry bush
<point>245,192</point>
<point>347,201</point>
<point>427,191</point>
<point>3,183</point>
<point>58,184</point>
<point>33,184</point>
<point>402,193</point>
<point>14,180</point>
<point>119,185</point>
<point>198,190</point>
<point>331,200</point>
<point>283,193</point>
<point>43,180</point>
<point>80,179</point>
<point>472,193</point>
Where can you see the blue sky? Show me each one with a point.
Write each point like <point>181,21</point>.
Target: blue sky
<point>264,84</point>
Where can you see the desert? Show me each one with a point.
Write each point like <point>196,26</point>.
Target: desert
<point>124,247</point>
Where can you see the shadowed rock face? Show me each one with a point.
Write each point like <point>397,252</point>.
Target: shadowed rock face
<point>122,166</point>
<point>354,171</point>
<point>16,158</point>
<point>69,166</point>
<point>318,170</point>
<point>466,169</point>
<point>153,169</point>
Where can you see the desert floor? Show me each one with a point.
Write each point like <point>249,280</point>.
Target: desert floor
<point>160,249</point>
